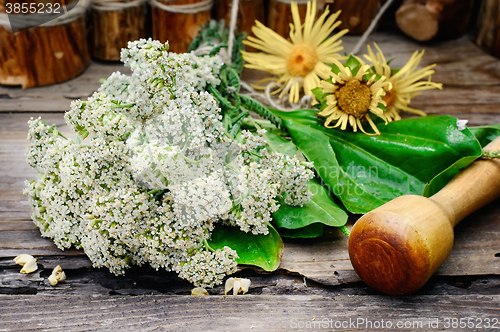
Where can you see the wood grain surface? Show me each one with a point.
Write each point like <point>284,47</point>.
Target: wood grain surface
<point>43,55</point>
<point>315,280</point>
<point>178,29</point>
<point>112,30</point>
<point>249,313</point>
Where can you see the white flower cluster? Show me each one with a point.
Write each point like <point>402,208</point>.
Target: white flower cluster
<point>260,180</point>
<point>208,268</point>
<point>152,170</point>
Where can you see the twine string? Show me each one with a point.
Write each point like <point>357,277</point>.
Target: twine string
<point>372,26</point>
<point>194,8</point>
<point>115,5</point>
<point>232,27</point>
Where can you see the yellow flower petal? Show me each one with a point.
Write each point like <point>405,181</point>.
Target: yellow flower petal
<point>405,84</point>
<point>29,266</point>
<point>23,259</point>
<point>57,276</point>
<point>304,57</point>
<point>237,285</point>
<point>199,291</point>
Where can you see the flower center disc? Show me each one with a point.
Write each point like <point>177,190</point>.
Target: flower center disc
<point>354,98</point>
<point>301,60</point>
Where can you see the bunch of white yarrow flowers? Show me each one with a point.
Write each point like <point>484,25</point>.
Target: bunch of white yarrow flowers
<point>152,170</point>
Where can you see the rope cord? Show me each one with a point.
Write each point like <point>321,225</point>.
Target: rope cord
<point>232,27</point>
<point>194,8</point>
<point>115,5</point>
<point>372,26</point>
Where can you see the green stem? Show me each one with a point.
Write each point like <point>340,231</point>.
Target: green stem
<point>189,160</point>
<point>122,106</point>
<point>253,122</point>
<point>205,242</point>
<point>345,230</point>
<point>154,191</point>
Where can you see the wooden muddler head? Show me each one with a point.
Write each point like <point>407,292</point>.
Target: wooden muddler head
<point>397,247</point>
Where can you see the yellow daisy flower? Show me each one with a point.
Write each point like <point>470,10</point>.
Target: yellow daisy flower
<point>406,82</point>
<point>351,98</point>
<point>302,61</point>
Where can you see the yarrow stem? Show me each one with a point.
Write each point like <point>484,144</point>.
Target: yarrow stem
<point>345,230</point>
<point>207,246</point>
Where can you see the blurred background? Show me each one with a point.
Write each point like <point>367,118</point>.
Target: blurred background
<point>60,50</point>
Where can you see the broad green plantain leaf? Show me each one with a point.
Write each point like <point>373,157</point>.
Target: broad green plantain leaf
<point>260,250</point>
<point>279,144</point>
<point>367,171</point>
<point>321,209</point>
<point>486,134</point>
<point>311,231</point>
<point>440,180</point>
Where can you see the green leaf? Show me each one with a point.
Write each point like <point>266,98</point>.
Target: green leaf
<point>352,63</point>
<point>311,231</point>
<point>486,134</point>
<point>233,79</point>
<point>365,171</point>
<point>335,69</point>
<point>254,105</point>
<point>279,144</point>
<point>318,93</point>
<point>264,251</point>
<point>320,209</point>
<point>440,180</point>
<point>224,103</point>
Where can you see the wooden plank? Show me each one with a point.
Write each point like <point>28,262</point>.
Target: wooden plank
<point>476,252</point>
<point>57,97</point>
<point>472,83</point>
<point>244,313</point>
<point>460,63</point>
<point>324,261</point>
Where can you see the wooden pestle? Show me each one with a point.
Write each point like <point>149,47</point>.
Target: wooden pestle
<point>397,247</point>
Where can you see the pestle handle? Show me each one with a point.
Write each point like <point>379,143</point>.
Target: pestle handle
<point>397,247</point>
<point>473,188</point>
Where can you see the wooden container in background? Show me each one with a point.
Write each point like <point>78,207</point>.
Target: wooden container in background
<point>424,20</point>
<point>280,14</point>
<point>487,31</point>
<point>356,15</point>
<point>43,55</point>
<point>175,22</point>
<point>248,12</point>
<point>113,25</point>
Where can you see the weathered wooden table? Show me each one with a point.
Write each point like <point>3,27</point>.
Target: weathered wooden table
<point>315,287</point>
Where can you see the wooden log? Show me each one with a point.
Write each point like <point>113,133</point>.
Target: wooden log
<point>43,55</point>
<point>486,34</point>
<point>356,15</point>
<point>441,19</point>
<point>111,30</point>
<point>177,28</point>
<point>248,12</point>
<point>280,15</point>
